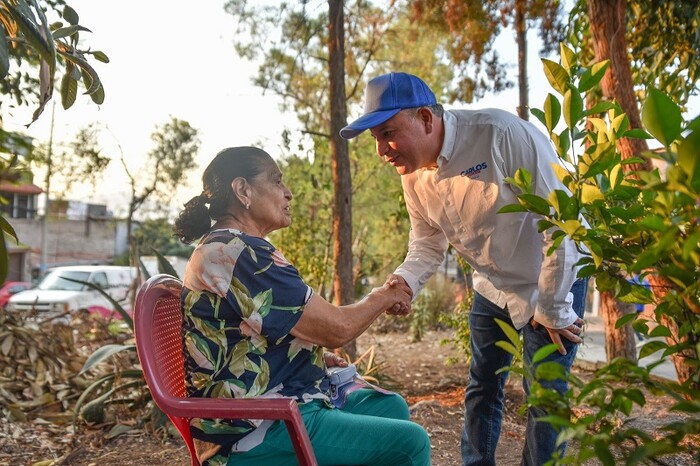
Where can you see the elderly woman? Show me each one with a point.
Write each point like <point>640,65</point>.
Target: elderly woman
<point>253,328</point>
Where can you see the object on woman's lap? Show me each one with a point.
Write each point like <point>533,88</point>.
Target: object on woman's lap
<point>345,380</point>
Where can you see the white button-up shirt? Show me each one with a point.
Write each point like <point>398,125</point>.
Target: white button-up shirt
<point>457,203</point>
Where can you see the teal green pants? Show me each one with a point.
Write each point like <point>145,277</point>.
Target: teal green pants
<point>372,429</point>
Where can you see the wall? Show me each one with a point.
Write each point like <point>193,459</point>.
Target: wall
<point>85,241</point>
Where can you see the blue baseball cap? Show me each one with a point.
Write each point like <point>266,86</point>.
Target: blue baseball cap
<point>387,95</point>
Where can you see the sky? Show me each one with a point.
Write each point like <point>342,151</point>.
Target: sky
<point>167,58</point>
<point>175,58</point>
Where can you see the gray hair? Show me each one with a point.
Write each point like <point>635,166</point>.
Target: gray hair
<point>438,110</point>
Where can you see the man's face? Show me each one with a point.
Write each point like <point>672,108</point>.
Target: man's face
<point>404,140</point>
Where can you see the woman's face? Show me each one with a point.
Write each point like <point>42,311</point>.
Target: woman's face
<point>269,201</point>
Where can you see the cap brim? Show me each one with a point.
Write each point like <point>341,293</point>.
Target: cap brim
<point>369,120</point>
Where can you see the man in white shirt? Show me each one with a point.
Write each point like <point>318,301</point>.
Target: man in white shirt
<point>453,165</point>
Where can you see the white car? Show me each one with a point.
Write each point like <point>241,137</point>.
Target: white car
<point>56,295</point>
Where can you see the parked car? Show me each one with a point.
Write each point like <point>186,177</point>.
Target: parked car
<point>10,288</point>
<point>57,295</point>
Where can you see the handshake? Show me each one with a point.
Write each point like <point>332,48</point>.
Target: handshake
<point>397,295</point>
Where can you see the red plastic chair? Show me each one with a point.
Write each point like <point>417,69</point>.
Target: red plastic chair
<point>158,327</point>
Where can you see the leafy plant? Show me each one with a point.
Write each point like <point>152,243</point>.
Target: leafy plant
<point>124,377</point>
<point>24,24</point>
<point>624,222</point>
<point>27,36</point>
<point>434,301</point>
<point>459,319</point>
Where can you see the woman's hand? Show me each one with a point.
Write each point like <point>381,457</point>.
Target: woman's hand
<point>398,295</point>
<point>332,360</point>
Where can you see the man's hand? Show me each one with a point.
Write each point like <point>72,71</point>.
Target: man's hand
<point>398,281</point>
<point>571,333</point>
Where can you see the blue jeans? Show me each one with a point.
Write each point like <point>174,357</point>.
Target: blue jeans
<point>483,401</point>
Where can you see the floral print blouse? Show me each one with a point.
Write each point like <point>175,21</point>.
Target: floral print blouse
<point>240,300</point>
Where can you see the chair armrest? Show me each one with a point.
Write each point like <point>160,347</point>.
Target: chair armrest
<point>222,408</point>
<point>284,409</point>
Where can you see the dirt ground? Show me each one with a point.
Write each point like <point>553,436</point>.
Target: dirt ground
<point>433,388</point>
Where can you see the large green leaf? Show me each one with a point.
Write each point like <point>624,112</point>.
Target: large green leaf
<point>510,332</point>
<point>688,156</point>
<point>601,107</point>
<point>552,112</point>
<point>31,32</point>
<point>164,266</point>
<point>661,117</point>
<point>563,144</point>
<point>69,87</point>
<point>592,76</point>
<point>99,95</point>
<point>103,353</point>
<point>70,15</point>
<point>556,75</point>
<point>568,57</point>
<point>573,107</point>
<point>68,31</point>
<point>535,203</point>
<point>7,228</point>
<point>85,66</point>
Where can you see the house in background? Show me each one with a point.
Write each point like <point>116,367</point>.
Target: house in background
<point>21,202</point>
<point>75,232</point>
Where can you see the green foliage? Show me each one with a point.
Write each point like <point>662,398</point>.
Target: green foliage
<point>435,300</point>
<point>27,36</point>
<point>379,230</point>
<point>289,40</point>
<point>662,43</point>
<point>459,319</point>
<point>468,30</point>
<point>157,235</point>
<point>80,161</point>
<point>121,379</point>
<point>637,223</point>
<point>125,376</point>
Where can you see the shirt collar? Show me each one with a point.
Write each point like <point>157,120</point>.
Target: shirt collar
<point>448,142</point>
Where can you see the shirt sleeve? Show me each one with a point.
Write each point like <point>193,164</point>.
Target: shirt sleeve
<point>427,245</point>
<point>525,146</point>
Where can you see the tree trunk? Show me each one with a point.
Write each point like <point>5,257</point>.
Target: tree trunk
<point>521,39</point>
<point>618,342</point>
<point>607,24</point>
<point>344,289</point>
<point>684,371</point>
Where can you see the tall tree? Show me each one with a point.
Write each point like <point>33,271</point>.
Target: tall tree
<point>470,29</point>
<point>608,30</point>
<point>344,288</point>
<point>669,29</point>
<point>166,165</point>
<point>80,160</point>
<point>295,65</point>
<point>607,19</point>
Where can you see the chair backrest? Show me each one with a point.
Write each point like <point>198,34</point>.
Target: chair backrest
<point>158,331</point>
